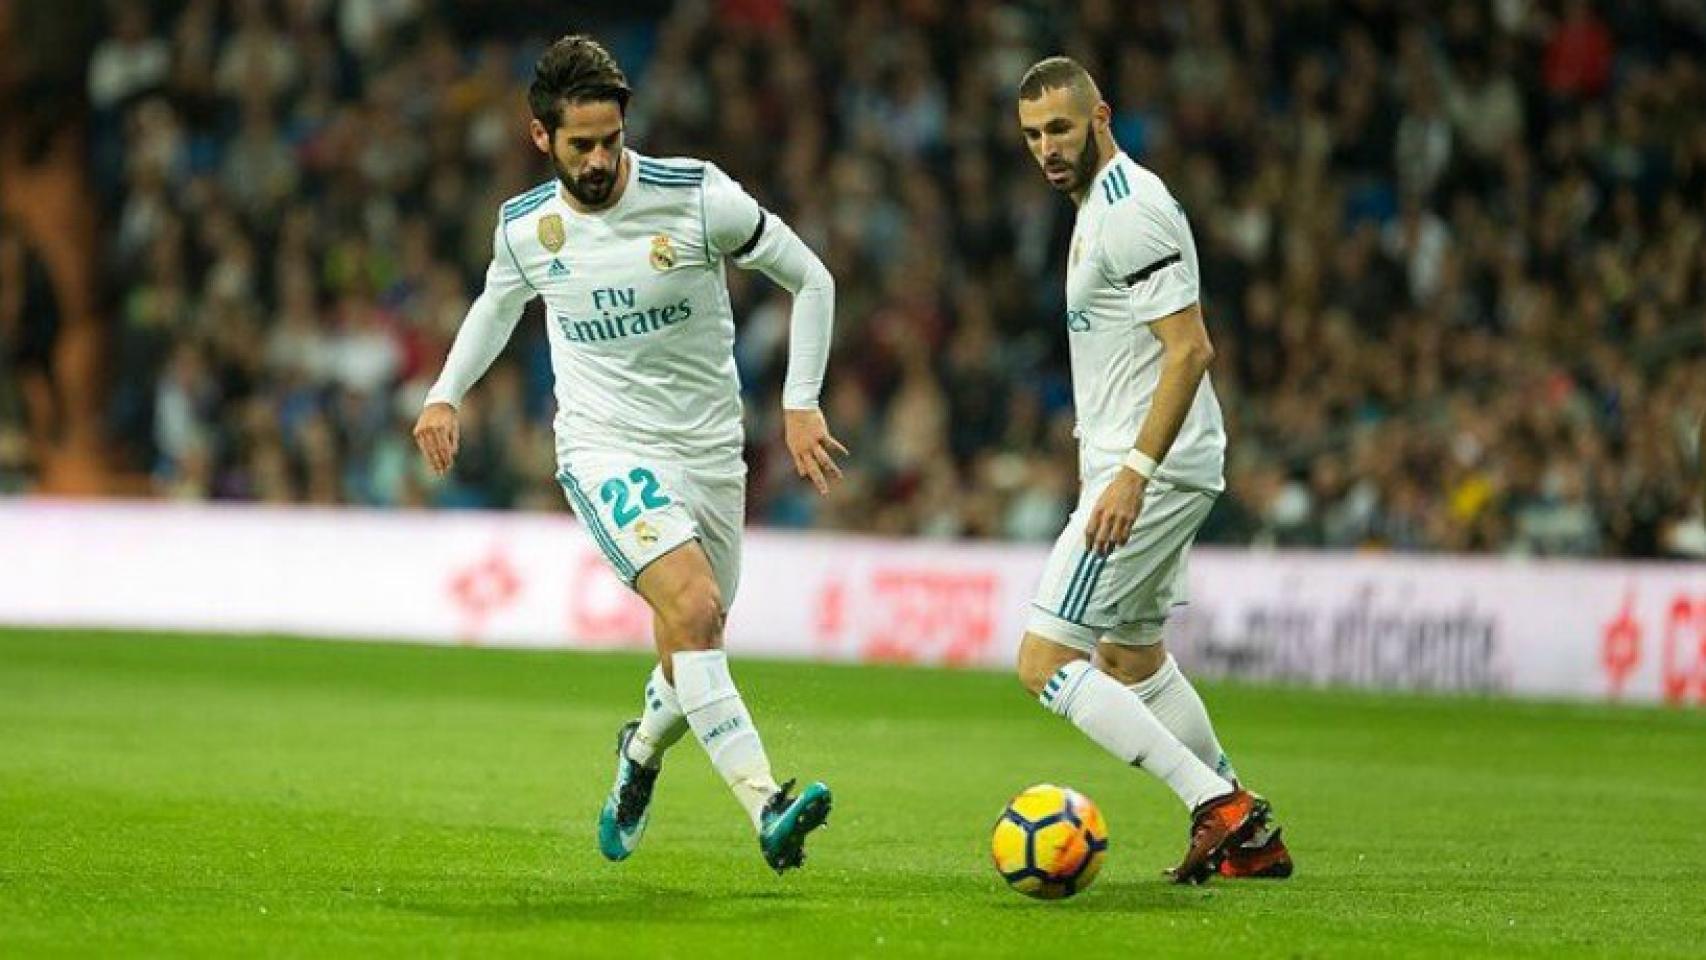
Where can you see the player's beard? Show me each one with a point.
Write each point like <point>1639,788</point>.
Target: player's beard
<point>1088,160</point>
<point>1083,168</point>
<point>592,190</point>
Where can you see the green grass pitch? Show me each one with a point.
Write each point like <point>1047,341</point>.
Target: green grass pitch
<point>180,796</point>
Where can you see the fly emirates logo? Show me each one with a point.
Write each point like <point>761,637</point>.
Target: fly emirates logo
<point>619,316</point>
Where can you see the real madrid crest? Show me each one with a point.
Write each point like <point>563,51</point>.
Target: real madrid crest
<point>663,252</point>
<point>551,232</point>
<point>646,534</point>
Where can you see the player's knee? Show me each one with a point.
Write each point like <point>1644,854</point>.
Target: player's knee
<point>1032,678</point>
<point>694,615</point>
<point>1038,662</point>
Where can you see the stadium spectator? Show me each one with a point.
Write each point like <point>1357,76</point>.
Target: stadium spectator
<point>1452,253</point>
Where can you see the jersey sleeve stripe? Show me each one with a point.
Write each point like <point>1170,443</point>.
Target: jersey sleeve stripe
<point>658,165</point>
<point>523,209</point>
<point>530,193</point>
<point>1115,186</point>
<point>650,173</point>
<point>653,182</point>
<point>670,177</point>
<point>668,172</point>
<point>543,190</point>
<point>1136,277</point>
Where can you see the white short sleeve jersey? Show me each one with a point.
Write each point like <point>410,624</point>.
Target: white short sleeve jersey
<point>1132,262</point>
<point>637,308</point>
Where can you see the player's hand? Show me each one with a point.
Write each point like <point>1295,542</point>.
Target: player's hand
<point>811,446</point>
<point>1115,512</point>
<point>437,434</point>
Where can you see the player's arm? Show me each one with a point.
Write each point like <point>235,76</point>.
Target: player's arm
<point>487,327</point>
<point>1144,254</point>
<point>1186,353</point>
<point>756,239</point>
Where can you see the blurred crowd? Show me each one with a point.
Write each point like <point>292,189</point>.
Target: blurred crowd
<point>1454,254</point>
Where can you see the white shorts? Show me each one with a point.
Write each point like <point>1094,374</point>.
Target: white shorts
<point>1125,596</point>
<point>639,508</point>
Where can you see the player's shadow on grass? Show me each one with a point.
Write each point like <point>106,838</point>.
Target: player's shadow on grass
<point>580,901</point>
<point>1129,897</point>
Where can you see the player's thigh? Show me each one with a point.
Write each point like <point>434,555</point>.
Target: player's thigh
<point>1056,608</point>
<point>1150,578</point>
<point>719,507</point>
<point>682,590</point>
<point>631,508</point>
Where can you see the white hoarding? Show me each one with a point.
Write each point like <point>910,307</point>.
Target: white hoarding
<point>1587,630</point>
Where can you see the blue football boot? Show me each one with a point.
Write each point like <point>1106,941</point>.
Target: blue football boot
<point>786,821</point>
<point>629,806</point>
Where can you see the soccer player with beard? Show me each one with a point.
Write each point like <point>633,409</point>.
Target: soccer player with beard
<point>1151,455</point>
<point>628,252</point>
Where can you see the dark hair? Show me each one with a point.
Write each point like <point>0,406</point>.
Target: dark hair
<point>1055,73</point>
<point>575,69</point>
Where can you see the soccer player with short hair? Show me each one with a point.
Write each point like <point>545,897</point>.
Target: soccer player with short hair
<point>628,253</point>
<point>1151,454</point>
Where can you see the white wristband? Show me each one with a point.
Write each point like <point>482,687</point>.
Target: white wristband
<point>1142,463</point>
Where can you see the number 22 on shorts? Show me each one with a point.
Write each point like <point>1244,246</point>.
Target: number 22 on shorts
<point>618,494</point>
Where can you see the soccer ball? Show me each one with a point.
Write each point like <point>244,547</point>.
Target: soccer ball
<point>1050,842</point>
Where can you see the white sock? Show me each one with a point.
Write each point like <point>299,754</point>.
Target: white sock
<point>661,722</point>
<point>1116,718</point>
<point>1169,695</point>
<point>720,720</point>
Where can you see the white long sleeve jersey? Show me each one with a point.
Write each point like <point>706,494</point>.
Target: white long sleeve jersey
<point>1134,261</point>
<point>637,310</point>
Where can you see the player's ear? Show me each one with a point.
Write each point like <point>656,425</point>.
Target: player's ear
<point>541,136</point>
<point>1102,115</point>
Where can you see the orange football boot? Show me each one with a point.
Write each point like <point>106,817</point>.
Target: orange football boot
<point>1216,825</point>
<point>1262,853</point>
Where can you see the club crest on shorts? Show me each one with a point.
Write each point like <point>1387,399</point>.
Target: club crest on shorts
<point>645,533</point>
<point>663,252</point>
<point>551,232</point>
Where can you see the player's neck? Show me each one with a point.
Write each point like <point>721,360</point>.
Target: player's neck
<point>615,193</point>
<point>1107,150</point>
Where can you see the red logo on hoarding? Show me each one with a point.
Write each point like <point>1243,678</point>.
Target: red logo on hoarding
<point>1620,646</point>
<point>831,614</point>
<point>602,610</point>
<point>1682,655</point>
<point>916,615</point>
<point>481,589</point>
<point>1684,658</point>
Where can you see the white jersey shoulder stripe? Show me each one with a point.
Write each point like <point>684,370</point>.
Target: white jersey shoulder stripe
<point>528,202</point>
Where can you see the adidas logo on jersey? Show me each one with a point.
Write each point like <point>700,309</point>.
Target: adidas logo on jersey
<point>557,269</point>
